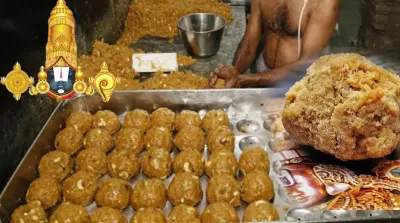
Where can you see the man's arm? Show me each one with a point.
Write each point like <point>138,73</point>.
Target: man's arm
<point>317,34</point>
<point>247,48</point>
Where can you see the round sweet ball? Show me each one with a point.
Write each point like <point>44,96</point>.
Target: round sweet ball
<point>130,139</point>
<point>98,139</point>
<point>31,212</point>
<point>80,188</point>
<point>81,121</point>
<point>163,117</point>
<point>107,215</point>
<point>221,162</point>
<point>190,138</point>
<point>221,139</point>
<point>158,137</point>
<point>94,162</point>
<point>149,215</point>
<point>113,193</point>
<point>253,159</point>
<point>156,163</point>
<point>187,118</point>
<point>183,214</point>
<point>69,140</point>
<point>69,212</point>
<point>219,212</point>
<point>189,161</point>
<point>123,164</point>
<point>138,119</point>
<point>260,211</point>
<point>223,188</point>
<point>149,193</point>
<point>55,164</point>
<point>257,186</point>
<point>46,190</point>
<point>185,188</point>
<point>345,106</point>
<point>213,119</point>
<point>107,120</point>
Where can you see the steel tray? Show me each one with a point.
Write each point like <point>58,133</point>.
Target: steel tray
<point>245,107</point>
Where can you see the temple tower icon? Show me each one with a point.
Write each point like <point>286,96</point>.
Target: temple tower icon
<point>61,49</point>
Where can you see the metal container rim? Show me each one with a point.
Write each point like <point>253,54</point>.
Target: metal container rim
<point>202,90</point>
<point>202,13</point>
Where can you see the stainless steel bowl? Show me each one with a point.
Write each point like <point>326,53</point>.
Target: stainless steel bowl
<point>202,33</point>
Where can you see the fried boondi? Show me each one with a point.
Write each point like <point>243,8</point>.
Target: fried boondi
<point>345,106</point>
<point>119,60</point>
<point>156,18</point>
<point>178,80</point>
<point>159,17</point>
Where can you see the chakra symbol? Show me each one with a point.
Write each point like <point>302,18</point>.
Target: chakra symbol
<point>17,81</point>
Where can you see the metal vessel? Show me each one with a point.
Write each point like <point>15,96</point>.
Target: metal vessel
<point>248,111</point>
<point>202,33</point>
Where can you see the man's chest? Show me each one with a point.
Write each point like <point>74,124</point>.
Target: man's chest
<point>283,16</point>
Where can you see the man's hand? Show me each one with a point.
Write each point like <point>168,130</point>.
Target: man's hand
<point>228,73</point>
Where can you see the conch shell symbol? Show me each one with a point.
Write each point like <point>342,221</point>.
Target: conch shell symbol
<point>104,82</point>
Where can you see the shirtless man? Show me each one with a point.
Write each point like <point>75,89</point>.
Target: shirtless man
<point>279,21</point>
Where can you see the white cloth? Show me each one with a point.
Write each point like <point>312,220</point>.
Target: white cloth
<point>260,64</point>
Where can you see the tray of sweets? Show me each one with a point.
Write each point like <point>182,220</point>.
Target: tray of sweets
<point>308,185</point>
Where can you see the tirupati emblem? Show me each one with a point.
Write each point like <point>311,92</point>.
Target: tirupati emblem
<point>104,82</point>
<point>61,79</point>
<point>61,54</point>
<point>337,179</point>
<point>79,86</point>
<point>42,86</point>
<point>315,186</point>
<point>331,187</point>
<point>17,81</point>
<point>388,169</point>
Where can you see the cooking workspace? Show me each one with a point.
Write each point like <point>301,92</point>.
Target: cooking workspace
<point>237,155</point>
<point>198,53</point>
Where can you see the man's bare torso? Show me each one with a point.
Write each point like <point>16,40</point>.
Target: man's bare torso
<point>280,21</point>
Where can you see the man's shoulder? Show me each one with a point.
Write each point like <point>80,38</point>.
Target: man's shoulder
<point>326,3</point>
<point>325,6</point>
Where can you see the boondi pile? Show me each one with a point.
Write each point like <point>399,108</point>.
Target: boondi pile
<point>185,61</point>
<point>119,60</point>
<point>118,57</point>
<point>178,80</point>
<point>159,17</point>
<point>152,18</point>
<point>345,106</point>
